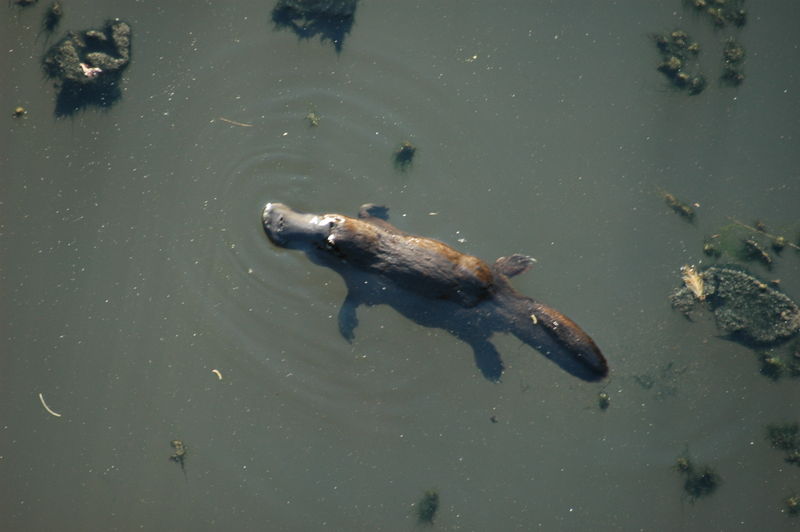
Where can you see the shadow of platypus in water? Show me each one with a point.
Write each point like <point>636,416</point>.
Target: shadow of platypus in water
<point>434,285</point>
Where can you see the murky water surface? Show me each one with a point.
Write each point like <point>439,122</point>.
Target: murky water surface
<point>134,266</point>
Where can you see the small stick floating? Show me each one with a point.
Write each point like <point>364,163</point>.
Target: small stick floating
<point>234,122</point>
<point>49,410</point>
<point>755,230</point>
<point>217,373</point>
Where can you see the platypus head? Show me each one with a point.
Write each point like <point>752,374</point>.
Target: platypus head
<point>288,228</point>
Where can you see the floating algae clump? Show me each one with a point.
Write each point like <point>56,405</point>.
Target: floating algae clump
<point>700,481</point>
<point>330,19</point>
<point>743,306</point>
<point>87,66</point>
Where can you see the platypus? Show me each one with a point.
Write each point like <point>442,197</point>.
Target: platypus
<point>434,285</point>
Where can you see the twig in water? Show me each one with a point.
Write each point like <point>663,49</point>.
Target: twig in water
<point>50,410</point>
<point>234,122</point>
<point>753,229</point>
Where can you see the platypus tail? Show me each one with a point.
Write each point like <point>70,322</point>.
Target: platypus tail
<point>571,337</point>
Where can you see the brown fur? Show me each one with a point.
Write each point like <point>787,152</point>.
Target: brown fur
<point>420,264</point>
<point>476,300</point>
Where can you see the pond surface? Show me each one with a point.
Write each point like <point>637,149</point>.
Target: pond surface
<point>142,300</point>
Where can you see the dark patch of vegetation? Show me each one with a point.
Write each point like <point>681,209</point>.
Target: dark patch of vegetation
<point>404,155</point>
<point>331,20</point>
<point>701,481</point>
<point>427,507</point>
<point>52,17</point>
<point>721,13</point>
<point>793,505</point>
<point>784,436</point>
<point>87,66</point>
<point>677,50</point>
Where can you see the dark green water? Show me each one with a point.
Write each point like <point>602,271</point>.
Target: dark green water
<point>133,264</point>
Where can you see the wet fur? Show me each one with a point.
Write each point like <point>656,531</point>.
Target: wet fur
<point>434,285</point>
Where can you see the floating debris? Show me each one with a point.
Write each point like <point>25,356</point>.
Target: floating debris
<point>87,66</point>
<point>676,44</point>
<point>52,17</point>
<point>721,12</point>
<point>778,243</point>
<point>775,364</point>
<point>19,112</point>
<point>793,505</point>
<point>771,366</point>
<point>793,457</point>
<point>179,456</point>
<point>427,507</point>
<point>603,401</point>
<point>693,281</point>
<point>680,207</point>
<point>312,118</point>
<point>764,246</point>
<point>180,451</point>
<point>404,155</point>
<point>732,75</point>
<point>234,122</point>
<point>49,410</point>
<point>701,481</point>
<point>754,251</point>
<point>676,49</point>
<point>683,464</point>
<point>743,306</point>
<point>710,249</point>
<point>733,52</point>
<point>332,20</point>
<point>732,59</point>
<point>761,228</point>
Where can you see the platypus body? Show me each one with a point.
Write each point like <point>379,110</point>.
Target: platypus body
<point>434,285</point>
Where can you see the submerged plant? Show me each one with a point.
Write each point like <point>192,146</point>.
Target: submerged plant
<point>404,155</point>
<point>52,17</point>
<point>793,505</point>
<point>702,482</point>
<point>427,507</point>
<point>784,436</point>
<point>771,366</point>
